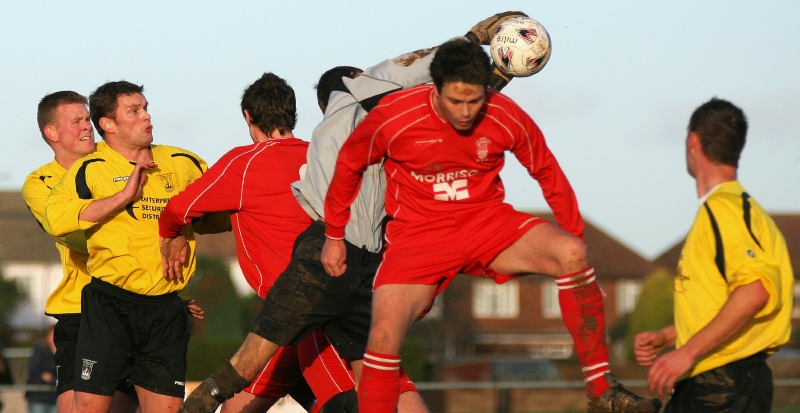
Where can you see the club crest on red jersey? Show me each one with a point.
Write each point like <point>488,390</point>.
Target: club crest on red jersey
<point>482,148</point>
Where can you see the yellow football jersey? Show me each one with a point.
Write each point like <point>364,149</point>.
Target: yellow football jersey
<point>66,298</point>
<point>124,247</point>
<point>733,242</point>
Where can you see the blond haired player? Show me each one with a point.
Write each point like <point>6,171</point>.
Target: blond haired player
<point>66,128</point>
<point>132,323</point>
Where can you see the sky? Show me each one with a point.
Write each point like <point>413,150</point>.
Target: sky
<point>613,101</point>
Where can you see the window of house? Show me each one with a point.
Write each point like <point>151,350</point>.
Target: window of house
<point>627,293</point>
<point>550,306</point>
<point>490,300</point>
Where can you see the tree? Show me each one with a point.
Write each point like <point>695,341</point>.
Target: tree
<point>216,337</point>
<point>211,286</point>
<point>654,308</point>
<point>11,296</point>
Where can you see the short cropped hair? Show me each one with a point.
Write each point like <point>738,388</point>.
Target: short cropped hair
<point>271,104</point>
<point>459,60</point>
<point>332,80</point>
<point>722,129</point>
<point>103,101</point>
<point>46,113</point>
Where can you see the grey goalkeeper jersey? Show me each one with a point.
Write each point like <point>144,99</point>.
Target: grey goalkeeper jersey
<point>345,110</point>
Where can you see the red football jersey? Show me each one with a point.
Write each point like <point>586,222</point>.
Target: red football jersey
<point>254,183</point>
<point>432,169</point>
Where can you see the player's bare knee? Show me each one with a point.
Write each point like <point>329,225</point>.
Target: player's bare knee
<point>379,337</point>
<point>572,255</point>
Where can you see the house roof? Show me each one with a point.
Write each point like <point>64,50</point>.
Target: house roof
<point>22,238</point>
<point>610,257</point>
<point>789,224</point>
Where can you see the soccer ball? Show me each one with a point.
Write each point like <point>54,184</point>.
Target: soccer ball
<point>520,47</point>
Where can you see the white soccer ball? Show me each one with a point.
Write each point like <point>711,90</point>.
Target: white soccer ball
<point>520,47</point>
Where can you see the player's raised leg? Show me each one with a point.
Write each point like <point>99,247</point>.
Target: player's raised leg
<point>546,249</point>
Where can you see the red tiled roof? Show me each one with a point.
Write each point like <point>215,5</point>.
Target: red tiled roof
<point>789,224</point>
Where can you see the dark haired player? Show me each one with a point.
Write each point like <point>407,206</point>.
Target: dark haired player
<point>133,323</point>
<point>304,297</point>
<point>442,147</point>
<point>253,182</point>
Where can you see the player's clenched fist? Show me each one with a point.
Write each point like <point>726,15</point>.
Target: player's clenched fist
<point>333,257</point>
<point>647,346</point>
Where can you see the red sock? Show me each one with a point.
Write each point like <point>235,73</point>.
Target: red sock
<point>582,309</point>
<point>379,387</point>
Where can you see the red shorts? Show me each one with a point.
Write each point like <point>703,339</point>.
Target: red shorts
<point>313,359</point>
<point>433,251</point>
<point>405,383</point>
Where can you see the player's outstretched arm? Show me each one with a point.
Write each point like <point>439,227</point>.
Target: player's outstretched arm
<point>499,80</point>
<point>101,208</point>
<point>64,205</point>
<point>173,256</point>
<point>482,32</point>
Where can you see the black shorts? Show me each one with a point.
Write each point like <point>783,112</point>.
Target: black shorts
<point>65,337</point>
<point>305,298</point>
<point>126,334</point>
<point>741,386</point>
